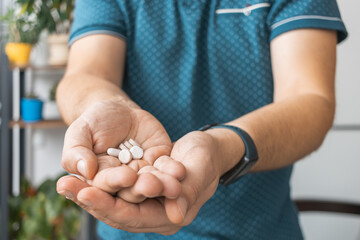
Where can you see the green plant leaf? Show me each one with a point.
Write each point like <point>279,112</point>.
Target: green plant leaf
<point>43,214</point>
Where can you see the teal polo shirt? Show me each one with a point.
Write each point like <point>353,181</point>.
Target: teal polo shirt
<point>195,62</point>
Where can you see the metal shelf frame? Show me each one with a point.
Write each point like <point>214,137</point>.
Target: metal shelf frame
<point>5,146</point>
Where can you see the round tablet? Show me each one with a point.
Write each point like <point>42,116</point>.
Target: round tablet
<point>132,142</point>
<point>125,156</point>
<point>127,144</point>
<point>122,147</point>
<point>137,152</point>
<point>113,152</point>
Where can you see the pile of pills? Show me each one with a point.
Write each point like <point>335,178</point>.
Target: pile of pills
<point>127,151</point>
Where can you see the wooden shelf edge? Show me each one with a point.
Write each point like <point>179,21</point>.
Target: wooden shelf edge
<point>40,68</point>
<point>40,124</point>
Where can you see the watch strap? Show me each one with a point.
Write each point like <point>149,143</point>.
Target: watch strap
<point>246,162</point>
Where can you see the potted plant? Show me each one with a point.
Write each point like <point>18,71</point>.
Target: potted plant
<point>43,214</point>
<point>51,110</point>
<point>23,32</point>
<point>31,108</point>
<point>56,17</point>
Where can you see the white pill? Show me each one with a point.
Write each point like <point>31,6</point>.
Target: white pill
<point>127,144</point>
<point>125,156</point>
<point>113,152</point>
<point>137,152</point>
<point>132,141</point>
<point>122,147</point>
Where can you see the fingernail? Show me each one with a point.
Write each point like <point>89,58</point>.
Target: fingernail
<point>183,205</point>
<point>67,195</point>
<point>81,167</point>
<point>79,177</point>
<point>87,203</point>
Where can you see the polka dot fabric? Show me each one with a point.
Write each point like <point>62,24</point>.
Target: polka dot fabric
<point>190,66</point>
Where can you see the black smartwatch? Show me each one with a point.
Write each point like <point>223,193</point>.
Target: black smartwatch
<point>245,163</point>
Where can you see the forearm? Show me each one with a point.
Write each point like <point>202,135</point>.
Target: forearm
<point>303,64</point>
<point>283,132</point>
<point>95,71</point>
<point>82,90</point>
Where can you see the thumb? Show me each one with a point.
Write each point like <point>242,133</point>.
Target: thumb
<point>78,155</point>
<point>176,209</point>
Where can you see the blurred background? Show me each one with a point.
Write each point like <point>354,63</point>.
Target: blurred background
<point>331,173</point>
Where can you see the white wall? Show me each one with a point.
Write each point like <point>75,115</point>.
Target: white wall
<point>4,5</point>
<point>348,67</point>
<point>333,172</point>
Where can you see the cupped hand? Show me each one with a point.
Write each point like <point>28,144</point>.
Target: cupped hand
<point>107,124</point>
<point>197,151</point>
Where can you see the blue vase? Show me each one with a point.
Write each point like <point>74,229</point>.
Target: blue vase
<point>31,109</point>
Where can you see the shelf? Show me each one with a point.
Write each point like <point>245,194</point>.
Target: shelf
<point>47,68</point>
<point>346,127</point>
<point>40,68</point>
<point>39,124</point>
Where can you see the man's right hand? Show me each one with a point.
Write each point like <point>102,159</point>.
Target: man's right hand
<point>107,124</point>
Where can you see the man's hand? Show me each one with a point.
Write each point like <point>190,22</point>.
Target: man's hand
<point>201,155</point>
<point>107,124</point>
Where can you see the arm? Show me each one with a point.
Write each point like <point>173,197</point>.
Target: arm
<point>95,73</point>
<point>304,103</point>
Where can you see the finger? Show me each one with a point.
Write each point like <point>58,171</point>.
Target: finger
<point>171,187</point>
<point>104,162</point>
<point>170,166</point>
<point>78,156</point>
<point>154,152</point>
<point>124,215</point>
<point>143,188</point>
<point>146,186</point>
<point>114,179</point>
<point>149,216</point>
<point>80,161</point>
<point>184,209</point>
<point>138,164</point>
<point>69,186</point>
<point>128,195</point>
<point>176,209</point>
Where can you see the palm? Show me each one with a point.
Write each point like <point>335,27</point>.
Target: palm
<point>112,124</point>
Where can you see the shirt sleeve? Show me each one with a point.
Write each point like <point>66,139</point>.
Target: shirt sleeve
<point>287,15</point>
<point>97,17</point>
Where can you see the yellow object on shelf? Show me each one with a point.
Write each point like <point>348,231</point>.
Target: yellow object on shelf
<point>18,53</point>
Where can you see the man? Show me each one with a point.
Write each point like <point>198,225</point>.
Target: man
<point>266,68</point>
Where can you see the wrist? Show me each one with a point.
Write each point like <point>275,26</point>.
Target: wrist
<point>114,102</point>
<point>126,101</point>
<point>86,104</point>
<point>105,111</point>
<point>120,101</point>
<point>230,148</point>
